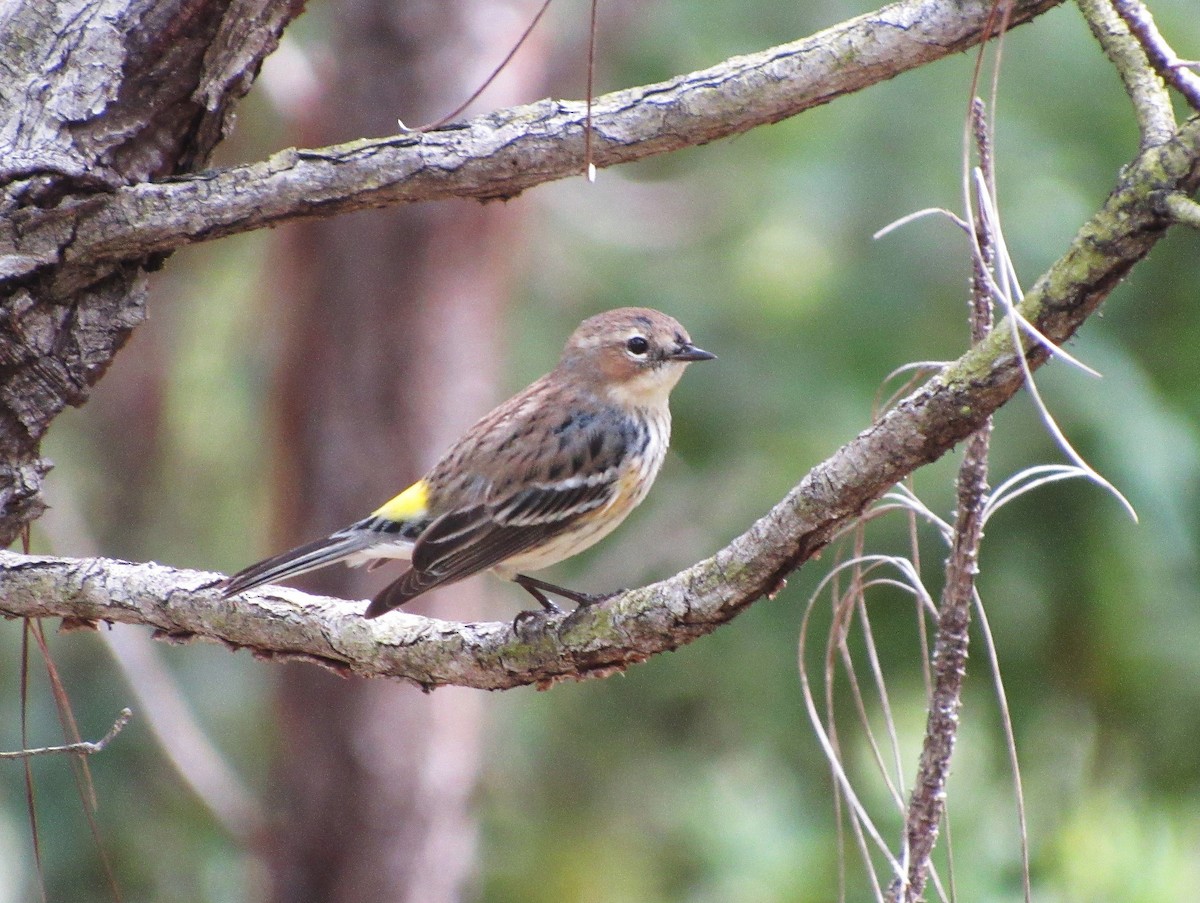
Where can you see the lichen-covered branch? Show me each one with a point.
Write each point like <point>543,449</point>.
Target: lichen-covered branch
<point>634,625</point>
<point>1181,208</point>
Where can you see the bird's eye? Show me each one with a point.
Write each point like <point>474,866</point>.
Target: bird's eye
<point>637,345</point>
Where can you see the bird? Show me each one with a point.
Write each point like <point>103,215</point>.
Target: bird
<point>542,477</point>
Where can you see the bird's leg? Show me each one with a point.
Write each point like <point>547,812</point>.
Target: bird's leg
<point>539,588</point>
<point>549,606</point>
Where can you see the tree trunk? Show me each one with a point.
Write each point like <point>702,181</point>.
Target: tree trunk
<point>96,96</point>
<point>391,350</point>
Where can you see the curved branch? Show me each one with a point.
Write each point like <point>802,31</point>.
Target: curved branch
<point>496,155</point>
<point>632,626</point>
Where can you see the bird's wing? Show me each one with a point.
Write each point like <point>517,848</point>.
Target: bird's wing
<point>466,542</point>
<point>576,472</point>
<point>502,523</point>
<point>490,546</point>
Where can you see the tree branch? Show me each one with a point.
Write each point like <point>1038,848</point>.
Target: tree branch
<point>634,625</point>
<point>1151,103</point>
<point>80,222</point>
<point>496,155</point>
<point>1164,59</point>
<point>928,799</point>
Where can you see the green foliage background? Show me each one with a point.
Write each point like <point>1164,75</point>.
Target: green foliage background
<point>696,777</point>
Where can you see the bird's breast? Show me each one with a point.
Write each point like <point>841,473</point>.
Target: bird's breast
<point>646,433</point>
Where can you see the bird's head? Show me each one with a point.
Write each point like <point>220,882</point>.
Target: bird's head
<point>635,355</point>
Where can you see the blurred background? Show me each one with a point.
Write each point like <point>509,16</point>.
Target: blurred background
<point>289,381</point>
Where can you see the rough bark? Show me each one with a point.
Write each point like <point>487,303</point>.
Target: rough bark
<point>97,95</point>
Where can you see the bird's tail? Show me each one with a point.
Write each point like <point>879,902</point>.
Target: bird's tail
<point>300,560</point>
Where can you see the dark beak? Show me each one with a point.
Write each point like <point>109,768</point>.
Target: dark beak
<point>686,351</point>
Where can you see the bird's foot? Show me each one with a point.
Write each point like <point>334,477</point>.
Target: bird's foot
<point>539,588</point>
<point>530,618</point>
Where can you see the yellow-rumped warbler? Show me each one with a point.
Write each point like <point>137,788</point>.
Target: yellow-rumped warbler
<point>539,479</point>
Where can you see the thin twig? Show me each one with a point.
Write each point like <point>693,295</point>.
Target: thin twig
<point>1163,58</point>
<point>30,793</point>
<point>928,801</point>
<point>1182,209</point>
<point>457,111</point>
<point>857,812</point>
<point>1010,743</point>
<point>843,611</point>
<point>79,764</point>
<point>1151,103</point>
<point>588,131</point>
<point>82,748</point>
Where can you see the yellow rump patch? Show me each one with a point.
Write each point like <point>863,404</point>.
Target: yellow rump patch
<point>411,504</point>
